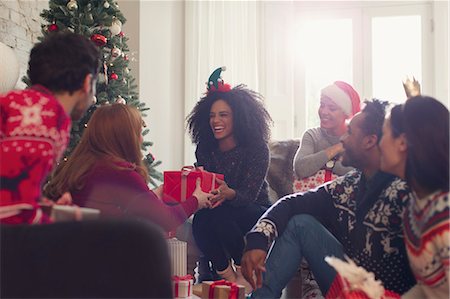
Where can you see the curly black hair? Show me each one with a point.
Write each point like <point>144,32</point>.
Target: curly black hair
<point>62,60</point>
<point>375,111</point>
<point>251,121</point>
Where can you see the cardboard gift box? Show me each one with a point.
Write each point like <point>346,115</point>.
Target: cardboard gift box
<point>182,286</point>
<point>222,289</point>
<point>179,185</point>
<point>342,289</point>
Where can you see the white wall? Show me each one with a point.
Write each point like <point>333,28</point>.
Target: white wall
<point>441,11</point>
<point>161,57</point>
<point>20,26</point>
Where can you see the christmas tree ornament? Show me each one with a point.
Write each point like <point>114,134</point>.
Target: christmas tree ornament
<point>106,4</point>
<point>52,28</point>
<point>116,52</point>
<point>121,34</point>
<point>116,27</point>
<point>127,70</point>
<point>114,76</point>
<point>9,66</point>
<point>72,5</point>
<point>99,39</point>
<point>120,100</point>
<point>124,81</point>
<point>125,57</point>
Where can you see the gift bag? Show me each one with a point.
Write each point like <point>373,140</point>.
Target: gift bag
<point>342,289</point>
<point>179,185</point>
<point>354,282</point>
<point>313,181</point>
<point>182,286</point>
<point>222,289</point>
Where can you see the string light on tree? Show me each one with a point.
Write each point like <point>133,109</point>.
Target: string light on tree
<point>106,4</point>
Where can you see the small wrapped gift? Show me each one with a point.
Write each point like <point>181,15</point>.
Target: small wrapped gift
<point>182,286</point>
<point>222,289</point>
<point>179,185</point>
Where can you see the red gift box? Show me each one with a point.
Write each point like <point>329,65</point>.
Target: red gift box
<point>179,185</point>
<point>342,289</point>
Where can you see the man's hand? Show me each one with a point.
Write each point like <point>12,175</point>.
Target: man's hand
<point>253,263</point>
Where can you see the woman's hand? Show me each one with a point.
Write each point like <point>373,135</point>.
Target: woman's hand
<point>203,198</point>
<point>221,194</point>
<point>334,150</point>
<point>159,191</point>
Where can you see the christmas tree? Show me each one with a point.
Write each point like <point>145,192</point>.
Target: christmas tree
<point>101,21</point>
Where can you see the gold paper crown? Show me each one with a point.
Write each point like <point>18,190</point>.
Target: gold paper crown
<point>412,88</point>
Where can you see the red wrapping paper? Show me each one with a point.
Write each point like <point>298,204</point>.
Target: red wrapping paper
<point>179,185</point>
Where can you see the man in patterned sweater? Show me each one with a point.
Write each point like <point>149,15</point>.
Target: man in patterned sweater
<point>35,122</point>
<point>358,214</point>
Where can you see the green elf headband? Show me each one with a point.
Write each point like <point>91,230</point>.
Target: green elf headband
<point>216,83</point>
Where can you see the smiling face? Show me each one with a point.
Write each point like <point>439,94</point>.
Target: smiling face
<point>352,142</point>
<point>332,117</point>
<point>221,121</point>
<point>393,151</point>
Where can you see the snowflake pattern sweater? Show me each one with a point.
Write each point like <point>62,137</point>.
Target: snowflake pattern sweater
<point>34,131</point>
<point>427,225</point>
<point>365,216</point>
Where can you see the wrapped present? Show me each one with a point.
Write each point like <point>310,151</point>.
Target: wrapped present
<point>222,289</point>
<point>182,286</point>
<point>178,256</point>
<point>354,282</point>
<point>179,185</point>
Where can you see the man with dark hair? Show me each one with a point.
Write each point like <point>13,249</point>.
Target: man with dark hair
<point>35,122</point>
<point>358,214</point>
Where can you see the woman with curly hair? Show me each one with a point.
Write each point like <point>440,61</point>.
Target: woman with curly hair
<point>231,129</point>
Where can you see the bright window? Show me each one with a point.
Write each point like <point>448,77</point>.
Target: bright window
<point>396,54</point>
<point>326,48</point>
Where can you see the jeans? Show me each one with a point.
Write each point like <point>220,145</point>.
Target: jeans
<point>304,237</point>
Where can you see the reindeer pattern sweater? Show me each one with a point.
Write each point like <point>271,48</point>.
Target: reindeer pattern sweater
<point>364,215</point>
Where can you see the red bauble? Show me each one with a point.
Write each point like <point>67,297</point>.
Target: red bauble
<point>125,58</point>
<point>121,34</point>
<point>99,39</point>
<point>114,76</point>
<point>52,28</point>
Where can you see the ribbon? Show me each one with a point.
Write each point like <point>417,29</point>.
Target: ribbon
<point>328,173</point>
<point>177,280</point>
<point>185,171</point>
<point>234,289</point>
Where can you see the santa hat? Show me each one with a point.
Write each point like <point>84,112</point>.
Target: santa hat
<point>216,83</point>
<point>344,95</point>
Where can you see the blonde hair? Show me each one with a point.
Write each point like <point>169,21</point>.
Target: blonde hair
<point>113,135</point>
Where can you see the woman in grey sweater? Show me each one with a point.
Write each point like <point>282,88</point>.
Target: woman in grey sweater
<point>317,158</point>
<point>321,147</point>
